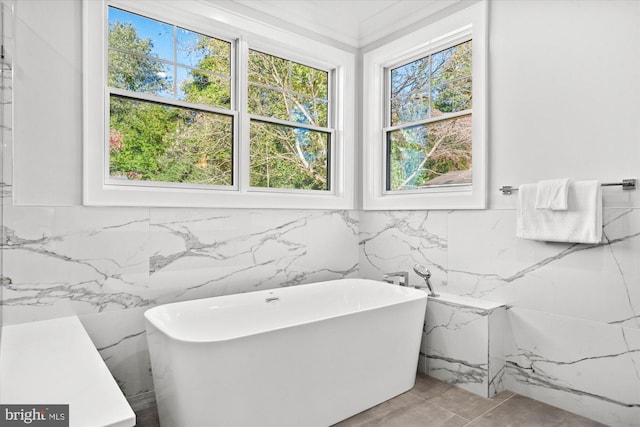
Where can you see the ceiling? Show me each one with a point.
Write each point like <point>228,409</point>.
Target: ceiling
<point>353,22</point>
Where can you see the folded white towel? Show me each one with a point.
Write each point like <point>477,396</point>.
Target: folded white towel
<point>552,194</point>
<point>580,223</point>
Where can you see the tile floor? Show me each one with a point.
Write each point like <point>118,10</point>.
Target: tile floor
<point>433,403</point>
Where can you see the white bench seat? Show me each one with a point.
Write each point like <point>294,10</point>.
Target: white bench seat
<point>55,362</point>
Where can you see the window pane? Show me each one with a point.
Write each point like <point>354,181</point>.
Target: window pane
<point>203,52</point>
<point>281,105</point>
<point>451,97</point>
<point>432,86</point>
<point>321,112</point>
<point>409,108</point>
<point>142,59</point>
<point>140,35</point>
<point>438,64</point>
<point>288,157</point>
<point>309,81</point>
<point>155,142</point>
<point>203,88</point>
<point>451,64</point>
<point>269,70</point>
<point>409,92</point>
<point>287,90</point>
<point>261,100</point>
<point>140,74</point>
<point>434,154</point>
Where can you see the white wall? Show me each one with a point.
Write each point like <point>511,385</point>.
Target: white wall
<point>564,93</point>
<point>48,103</point>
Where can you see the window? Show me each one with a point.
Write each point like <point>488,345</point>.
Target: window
<point>289,110</point>
<point>182,109</point>
<point>170,100</point>
<point>429,121</point>
<point>425,117</point>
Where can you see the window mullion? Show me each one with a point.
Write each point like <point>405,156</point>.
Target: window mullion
<point>443,117</point>
<point>164,61</point>
<point>175,62</point>
<point>387,97</point>
<point>142,96</point>
<point>242,160</point>
<point>289,123</point>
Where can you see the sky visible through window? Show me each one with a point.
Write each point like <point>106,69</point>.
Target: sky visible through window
<point>179,53</point>
<point>161,36</point>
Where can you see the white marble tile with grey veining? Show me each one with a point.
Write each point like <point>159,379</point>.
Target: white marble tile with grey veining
<point>6,135</point>
<point>455,345</point>
<point>393,241</point>
<point>62,261</point>
<point>582,366</point>
<point>486,260</point>
<point>463,343</point>
<point>497,350</point>
<point>207,253</point>
<point>120,338</point>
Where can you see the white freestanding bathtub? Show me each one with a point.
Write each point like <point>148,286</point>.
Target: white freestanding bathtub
<point>308,355</point>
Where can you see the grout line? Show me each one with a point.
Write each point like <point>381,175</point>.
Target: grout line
<point>428,400</point>
<point>451,412</point>
<point>489,410</point>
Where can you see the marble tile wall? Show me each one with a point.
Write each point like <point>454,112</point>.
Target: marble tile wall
<point>590,368</point>
<point>108,265</point>
<point>573,324</point>
<point>396,240</point>
<point>6,107</point>
<point>497,350</point>
<point>456,346</point>
<point>576,306</point>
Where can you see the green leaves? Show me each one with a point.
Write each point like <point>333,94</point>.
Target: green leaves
<point>129,67</point>
<point>165,142</point>
<point>169,144</point>
<point>288,156</point>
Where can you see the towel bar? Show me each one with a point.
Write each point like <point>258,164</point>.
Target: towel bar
<point>626,184</point>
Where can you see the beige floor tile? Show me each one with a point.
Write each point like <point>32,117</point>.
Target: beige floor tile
<point>520,411</point>
<point>406,410</point>
<point>427,387</point>
<point>466,404</point>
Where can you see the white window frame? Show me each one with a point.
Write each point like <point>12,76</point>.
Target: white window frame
<point>174,102</point>
<point>205,18</point>
<point>468,24</point>
<point>284,53</point>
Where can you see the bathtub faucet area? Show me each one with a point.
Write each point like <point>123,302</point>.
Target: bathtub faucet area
<point>402,275</point>
<point>424,272</point>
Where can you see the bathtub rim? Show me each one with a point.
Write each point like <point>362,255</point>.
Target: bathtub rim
<point>416,295</point>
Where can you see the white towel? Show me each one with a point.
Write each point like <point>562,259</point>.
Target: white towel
<point>552,194</point>
<point>580,223</point>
